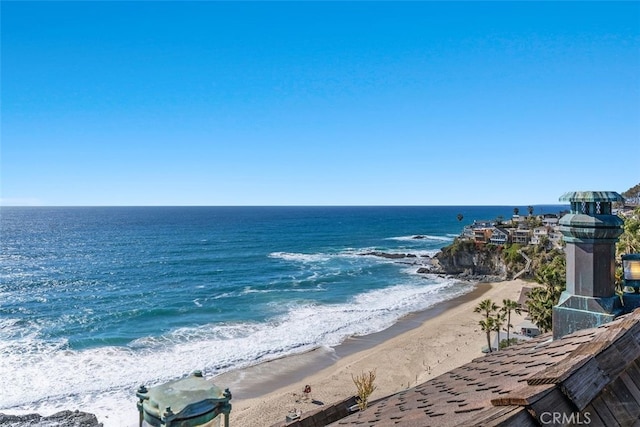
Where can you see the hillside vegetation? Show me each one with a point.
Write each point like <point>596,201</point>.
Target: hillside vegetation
<point>542,263</point>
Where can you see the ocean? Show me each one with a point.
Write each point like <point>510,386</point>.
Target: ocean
<point>95,301</point>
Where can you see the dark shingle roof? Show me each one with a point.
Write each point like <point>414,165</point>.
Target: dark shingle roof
<point>593,373</point>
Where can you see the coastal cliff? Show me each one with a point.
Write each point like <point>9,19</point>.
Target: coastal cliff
<point>466,259</point>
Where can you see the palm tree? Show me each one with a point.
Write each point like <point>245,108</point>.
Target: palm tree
<point>629,241</point>
<point>460,217</point>
<point>542,299</point>
<point>487,306</point>
<point>628,244</point>
<point>530,209</point>
<point>498,321</point>
<point>487,326</point>
<point>507,307</point>
<point>516,211</point>
<point>540,305</point>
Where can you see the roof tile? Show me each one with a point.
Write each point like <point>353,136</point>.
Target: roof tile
<point>511,387</point>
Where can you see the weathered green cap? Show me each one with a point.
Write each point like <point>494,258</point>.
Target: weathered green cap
<point>591,196</point>
<point>191,401</point>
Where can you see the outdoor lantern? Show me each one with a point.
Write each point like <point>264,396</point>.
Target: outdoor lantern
<point>187,402</point>
<point>631,268</point>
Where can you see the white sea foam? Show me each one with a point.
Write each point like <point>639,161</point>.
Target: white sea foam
<point>419,237</point>
<point>430,253</point>
<point>361,254</point>
<point>348,253</point>
<point>223,295</point>
<point>298,257</point>
<point>44,377</point>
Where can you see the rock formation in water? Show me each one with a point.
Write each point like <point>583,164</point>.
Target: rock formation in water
<point>59,419</point>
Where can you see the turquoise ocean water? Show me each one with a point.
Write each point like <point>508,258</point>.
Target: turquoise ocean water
<point>95,301</point>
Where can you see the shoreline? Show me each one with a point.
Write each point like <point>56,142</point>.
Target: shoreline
<point>284,371</point>
<point>418,347</point>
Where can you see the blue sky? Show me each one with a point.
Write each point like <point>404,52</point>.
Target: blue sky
<point>327,103</point>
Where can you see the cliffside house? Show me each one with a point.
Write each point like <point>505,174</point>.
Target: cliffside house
<point>481,235</point>
<point>483,224</point>
<point>520,236</point>
<point>483,231</point>
<point>499,236</point>
<point>538,233</point>
<point>556,237</point>
<point>467,232</point>
<point>477,231</point>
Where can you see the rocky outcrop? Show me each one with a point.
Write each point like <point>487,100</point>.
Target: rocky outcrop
<point>465,259</point>
<point>389,255</point>
<point>462,259</point>
<point>59,419</point>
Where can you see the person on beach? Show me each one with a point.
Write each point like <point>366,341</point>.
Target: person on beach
<point>307,392</point>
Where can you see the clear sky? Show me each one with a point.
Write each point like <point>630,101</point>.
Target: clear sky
<point>317,103</point>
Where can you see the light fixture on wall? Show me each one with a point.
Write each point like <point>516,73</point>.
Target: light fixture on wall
<point>631,273</point>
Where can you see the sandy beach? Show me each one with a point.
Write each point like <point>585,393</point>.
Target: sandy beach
<point>419,348</point>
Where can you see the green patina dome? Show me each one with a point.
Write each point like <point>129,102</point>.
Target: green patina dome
<point>185,402</point>
<point>591,196</point>
<point>591,216</point>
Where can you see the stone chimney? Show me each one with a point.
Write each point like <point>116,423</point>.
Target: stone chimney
<point>590,232</point>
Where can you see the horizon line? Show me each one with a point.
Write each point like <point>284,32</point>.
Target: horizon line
<point>282,206</point>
